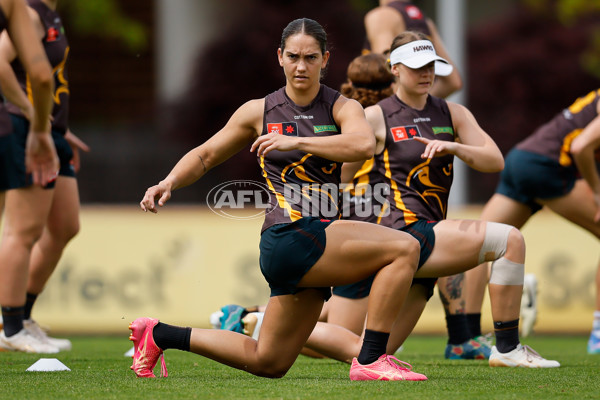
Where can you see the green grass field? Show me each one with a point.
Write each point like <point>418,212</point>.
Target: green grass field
<point>99,370</point>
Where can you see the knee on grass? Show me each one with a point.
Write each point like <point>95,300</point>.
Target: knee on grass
<point>272,370</point>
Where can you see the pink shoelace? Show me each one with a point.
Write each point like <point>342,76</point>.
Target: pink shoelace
<point>398,364</point>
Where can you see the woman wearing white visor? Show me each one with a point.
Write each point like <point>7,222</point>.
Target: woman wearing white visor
<point>417,138</point>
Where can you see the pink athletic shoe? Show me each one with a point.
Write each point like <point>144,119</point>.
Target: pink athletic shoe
<point>146,352</point>
<point>386,368</point>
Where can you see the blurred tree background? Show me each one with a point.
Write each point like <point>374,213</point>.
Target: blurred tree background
<point>525,62</point>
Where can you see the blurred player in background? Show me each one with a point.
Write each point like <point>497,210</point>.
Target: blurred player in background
<point>555,167</point>
<point>391,18</point>
<point>48,218</point>
<point>38,157</point>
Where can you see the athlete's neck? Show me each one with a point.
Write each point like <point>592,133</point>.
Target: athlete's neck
<point>416,101</point>
<point>302,97</point>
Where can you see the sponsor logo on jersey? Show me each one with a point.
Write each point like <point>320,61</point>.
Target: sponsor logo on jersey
<point>567,114</point>
<point>325,128</point>
<point>414,12</point>
<point>443,129</point>
<point>400,133</point>
<point>52,34</point>
<point>283,128</point>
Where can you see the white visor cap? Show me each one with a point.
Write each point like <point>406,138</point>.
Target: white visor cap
<point>419,53</point>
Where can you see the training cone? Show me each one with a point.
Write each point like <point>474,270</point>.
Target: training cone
<point>129,353</point>
<point>48,364</point>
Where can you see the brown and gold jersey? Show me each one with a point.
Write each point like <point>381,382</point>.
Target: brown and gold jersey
<point>5,124</point>
<point>419,188</point>
<point>300,184</point>
<point>554,138</point>
<point>57,50</point>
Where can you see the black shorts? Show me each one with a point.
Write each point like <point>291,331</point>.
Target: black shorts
<point>528,176</point>
<point>422,231</point>
<point>6,160</point>
<point>288,252</point>
<point>18,177</point>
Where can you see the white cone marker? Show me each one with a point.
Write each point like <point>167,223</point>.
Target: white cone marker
<point>48,364</point>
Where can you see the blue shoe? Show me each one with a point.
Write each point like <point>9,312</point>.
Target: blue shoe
<point>594,343</point>
<point>469,350</point>
<point>485,340</point>
<point>231,319</point>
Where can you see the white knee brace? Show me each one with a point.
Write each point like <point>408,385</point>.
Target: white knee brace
<point>503,272</point>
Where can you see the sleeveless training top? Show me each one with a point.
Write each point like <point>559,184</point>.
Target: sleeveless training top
<point>366,195</point>
<point>57,49</point>
<point>5,124</point>
<point>419,188</point>
<point>296,179</point>
<point>413,17</point>
<point>554,138</point>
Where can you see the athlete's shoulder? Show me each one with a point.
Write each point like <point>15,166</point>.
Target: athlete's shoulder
<point>382,15</point>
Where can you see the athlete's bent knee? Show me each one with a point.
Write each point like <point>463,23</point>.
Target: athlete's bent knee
<point>269,370</point>
<point>500,239</point>
<point>495,241</point>
<point>516,245</point>
<point>411,250</point>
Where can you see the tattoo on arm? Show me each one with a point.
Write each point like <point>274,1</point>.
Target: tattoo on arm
<point>202,161</point>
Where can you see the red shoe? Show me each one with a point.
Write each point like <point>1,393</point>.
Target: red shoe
<point>386,368</point>
<point>146,352</point>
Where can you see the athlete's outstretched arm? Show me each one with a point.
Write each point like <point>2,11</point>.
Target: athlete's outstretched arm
<point>243,126</point>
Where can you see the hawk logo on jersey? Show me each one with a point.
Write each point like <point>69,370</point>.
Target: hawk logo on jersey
<point>283,128</point>
<point>422,180</point>
<point>400,133</point>
<point>413,12</point>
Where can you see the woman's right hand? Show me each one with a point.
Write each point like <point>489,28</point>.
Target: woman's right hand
<point>160,194</point>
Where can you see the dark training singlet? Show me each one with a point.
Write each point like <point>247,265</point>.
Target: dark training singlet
<point>296,179</point>
<point>413,17</point>
<point>553,139</point>
<point>5,124</point>
<point>419,188</point>
<point>57,50</point>
<point>368,177</point>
